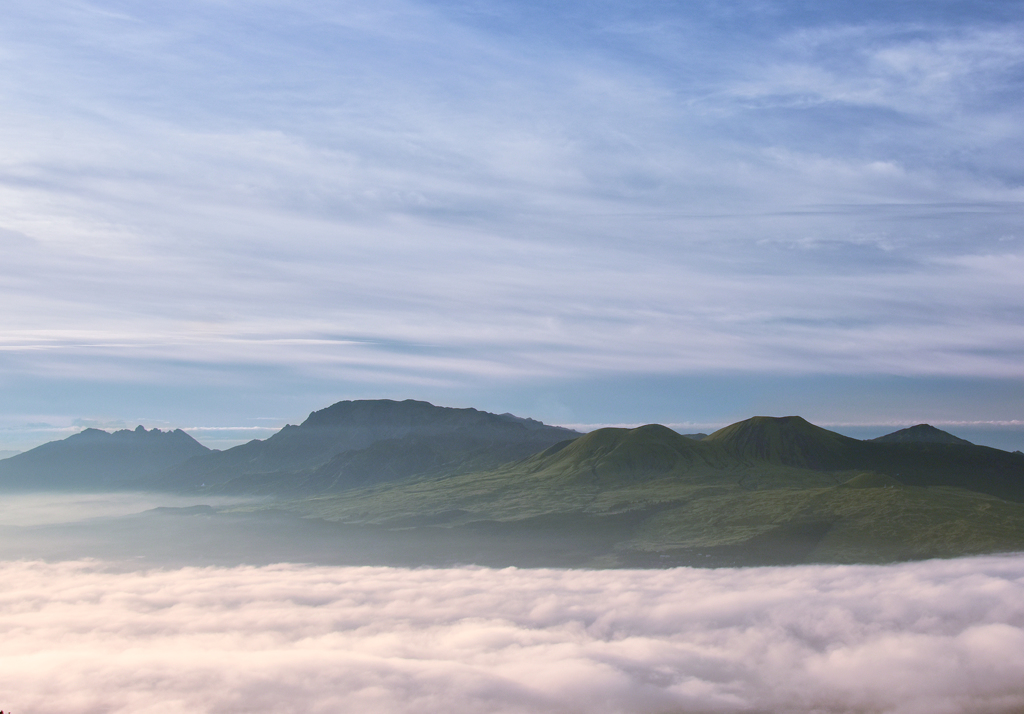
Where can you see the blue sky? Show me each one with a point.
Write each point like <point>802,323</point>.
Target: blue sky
<point>222,215</point>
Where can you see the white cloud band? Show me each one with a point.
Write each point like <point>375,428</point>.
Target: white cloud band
<point>935,637</point>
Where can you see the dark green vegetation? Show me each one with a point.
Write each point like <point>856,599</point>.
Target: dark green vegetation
<point>408,482</point>
<point>765,490</point>
<point>922,434</point>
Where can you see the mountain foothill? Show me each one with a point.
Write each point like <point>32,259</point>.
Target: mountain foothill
<point>503,490</point>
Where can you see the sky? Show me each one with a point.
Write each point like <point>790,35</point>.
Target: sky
<point>934,637</point>
<point>222,215</point>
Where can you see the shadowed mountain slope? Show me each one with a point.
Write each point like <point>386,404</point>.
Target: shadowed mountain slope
<point>921,434</point>
<point>353,443</point>
<point>968,466</point>
<point>94,460</point>
<point>916,457</point>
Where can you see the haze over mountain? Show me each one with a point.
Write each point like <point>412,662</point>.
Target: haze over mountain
<point>765,490</point>
<point>410,482</point>
<point>355,443</point>
<point>95,459</point>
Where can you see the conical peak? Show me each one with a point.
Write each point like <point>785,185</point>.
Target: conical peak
<point>921,433</point>
<point>767,426</point>
<point>620,453</point>
<point>611,437</point>
<point>790,440</point>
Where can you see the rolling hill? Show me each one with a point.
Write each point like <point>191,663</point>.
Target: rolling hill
<point>442,485</point>
<point>766,490</point>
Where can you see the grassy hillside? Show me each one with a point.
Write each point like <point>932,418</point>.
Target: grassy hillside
<point>792,441</point>
<point>737,517</point>
<point>763,491</point>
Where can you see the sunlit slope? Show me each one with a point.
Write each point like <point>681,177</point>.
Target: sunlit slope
<point>761,491</point>
<point>612,456</point>
<point>791,441</point>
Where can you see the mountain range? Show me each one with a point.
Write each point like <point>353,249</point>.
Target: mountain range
<point>358,443</point>
<point>94,459</point>
<point>501,489</point>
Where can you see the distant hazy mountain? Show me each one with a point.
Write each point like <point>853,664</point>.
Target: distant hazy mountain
<point>94,459</point>
<point>354,443</point>
<point>922,434</point>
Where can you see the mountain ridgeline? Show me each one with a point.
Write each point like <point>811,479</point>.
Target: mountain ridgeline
<point>462,485</point>
<point>790,449</point>
<point>359,443</point>
<point>762,491</point>
<point>94,459</point>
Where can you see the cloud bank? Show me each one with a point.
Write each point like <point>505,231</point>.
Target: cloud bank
<point>940,637</point>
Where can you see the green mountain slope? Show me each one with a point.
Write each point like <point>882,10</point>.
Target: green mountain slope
<point>917,457</point>
<point>791,441</point>
<point>606,456</point>
<point>443,485</point>
<point>761,491</point>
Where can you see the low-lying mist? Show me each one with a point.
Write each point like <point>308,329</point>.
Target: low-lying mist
<point>934,637</point>
<point>47,508</point>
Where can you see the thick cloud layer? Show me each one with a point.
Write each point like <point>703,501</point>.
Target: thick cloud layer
<point>936,637</point>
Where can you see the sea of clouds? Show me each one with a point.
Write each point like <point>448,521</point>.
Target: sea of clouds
<point>932,637</point>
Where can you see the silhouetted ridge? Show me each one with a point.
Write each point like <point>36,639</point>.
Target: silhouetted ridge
<point>354,443</point>
<point>96,459</point>
<point>406,414</point>
<point>921,434</point>
<point>791,441</point>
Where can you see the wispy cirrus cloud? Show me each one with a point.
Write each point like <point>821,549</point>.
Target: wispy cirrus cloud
<point>432,194</point>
